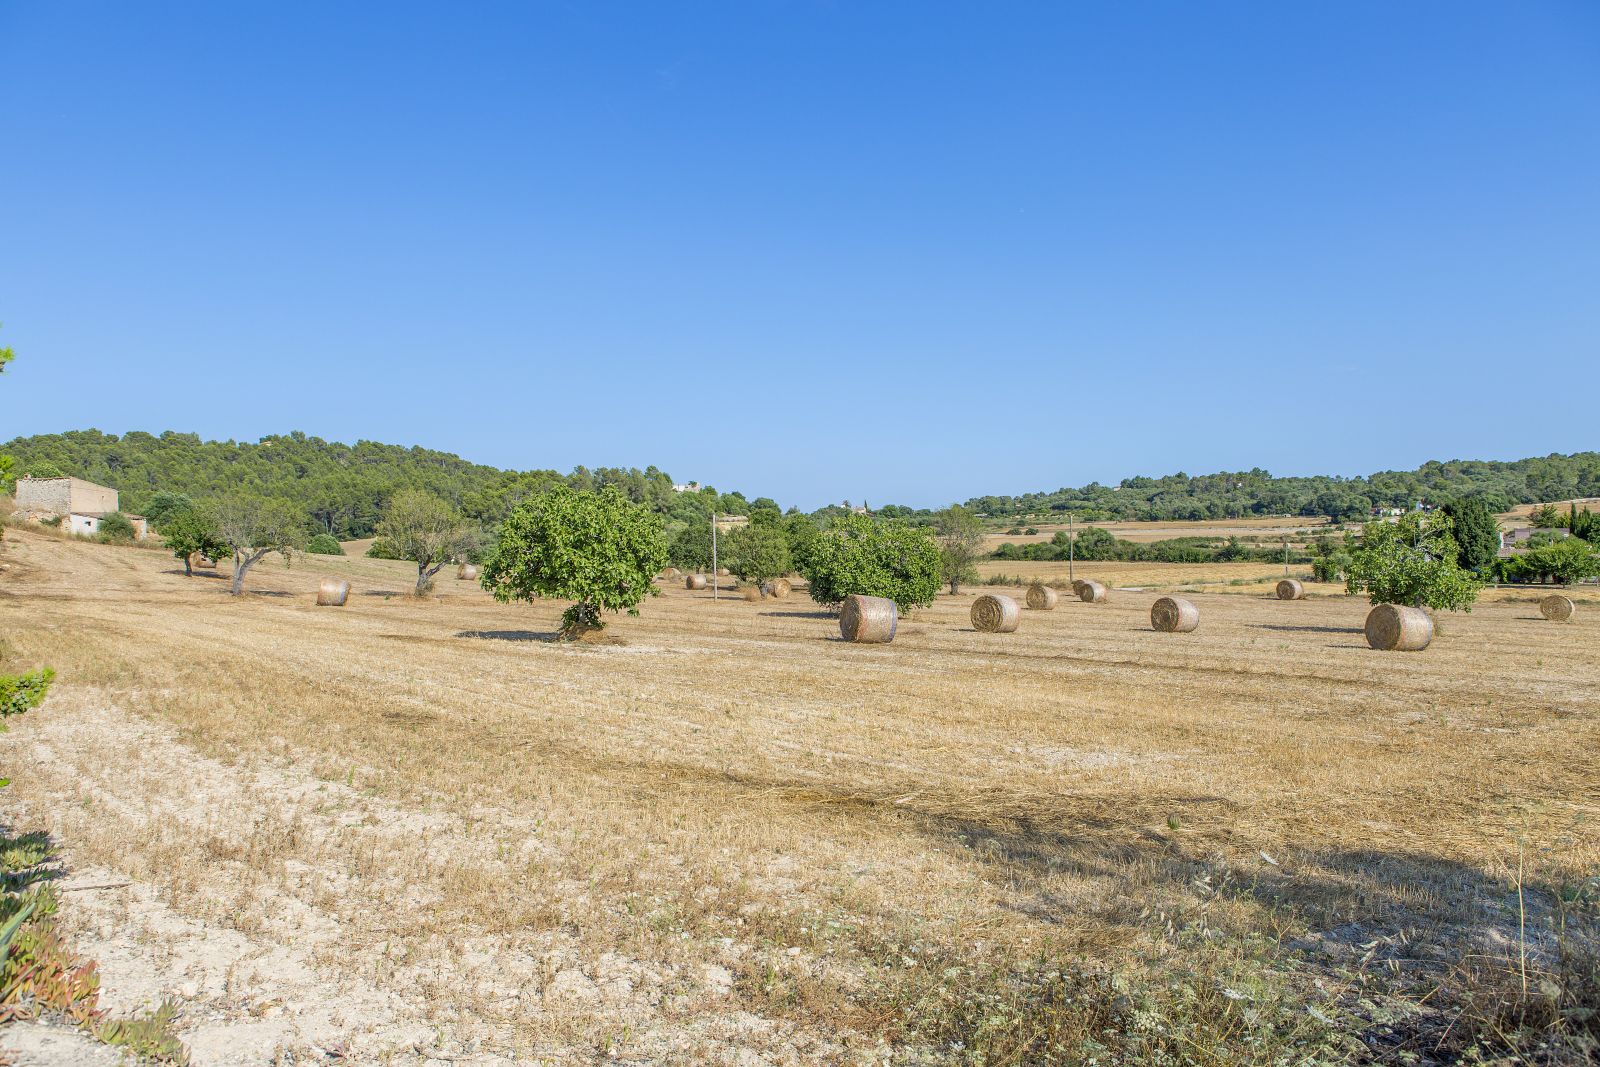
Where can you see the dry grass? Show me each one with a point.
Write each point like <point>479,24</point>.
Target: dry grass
<point>676,846</point>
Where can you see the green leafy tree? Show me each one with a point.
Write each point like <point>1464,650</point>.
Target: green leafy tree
<point>43,469</point>
<point>758,553</point>
<point>427,531</point>
<point>599,550</point>
<point>1476,532</point>
<point>858,555</point>
<point>165,504</point>
<point>803,536</point>
<point>193,532</point>
<point>252,527</point>
<point>324,544</point>
<point>1565,560</point>
<point>1412,562</point>
<point>691,546</point>
<point>960,536</point>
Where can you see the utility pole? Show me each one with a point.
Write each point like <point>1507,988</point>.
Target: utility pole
<point>713,555</point>
<point>1072,546</point>
<point>1286,555</point>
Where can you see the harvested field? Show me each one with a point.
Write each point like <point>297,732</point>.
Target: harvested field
<point>420,829</point>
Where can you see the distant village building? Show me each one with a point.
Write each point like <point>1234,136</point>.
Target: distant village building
<point>687,487</point>
<point>78,505</point>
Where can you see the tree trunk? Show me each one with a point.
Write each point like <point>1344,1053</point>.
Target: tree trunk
<point>188,564</point>
<point>425,577</point>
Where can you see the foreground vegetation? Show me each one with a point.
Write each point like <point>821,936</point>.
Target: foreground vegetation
<point>722,831</point>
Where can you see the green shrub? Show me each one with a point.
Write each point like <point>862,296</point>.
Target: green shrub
<point>116,527</point>
<point>22,692</point>
<point>326,545</point>
<point>382,548</point>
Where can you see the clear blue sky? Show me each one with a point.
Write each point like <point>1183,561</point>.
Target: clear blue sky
<point>901,252</point>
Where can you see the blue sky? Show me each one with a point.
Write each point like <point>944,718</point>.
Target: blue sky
<point>902,252</point>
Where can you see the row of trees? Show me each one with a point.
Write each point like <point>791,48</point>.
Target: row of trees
<point>1094,544</point>
<point>246,528</point>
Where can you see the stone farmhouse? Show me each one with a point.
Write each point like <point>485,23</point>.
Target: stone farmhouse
<point>78,505</point>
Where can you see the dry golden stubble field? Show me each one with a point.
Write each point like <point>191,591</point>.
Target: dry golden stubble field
<point>722,835</point>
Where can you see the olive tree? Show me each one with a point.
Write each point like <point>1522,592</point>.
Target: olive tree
<point>1412,562</point>
<point>960,535</point>
<point>190,532</point>
<point>251,527</point>
<point>426,530</point>
<point>599,550</point>
<point>858,555</point>
<point>758,552</point>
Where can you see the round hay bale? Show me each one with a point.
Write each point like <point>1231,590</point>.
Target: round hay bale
<point>694,581</point>
<point>672,572</point>
<point>868,620</point>
<point>332,592</point>
<point>1091,592</point>
<point>466,573</point>
<point>1077,587</point>
<point>751,592</point>
<point>1041,597</point>
<point>1394,628</point>
<point>1289,589</point>
<point>723,572</point>
<point>1174,615</point>
<point>1556,608</point>
<point>778,588</point>
<point>995,614</point>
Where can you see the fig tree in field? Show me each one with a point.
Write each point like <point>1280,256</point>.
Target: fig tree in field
<point>1412,562</point>
<point>758,552</point>
<point>191,532</point>
<point>858,554</point>
<point>599,550</point>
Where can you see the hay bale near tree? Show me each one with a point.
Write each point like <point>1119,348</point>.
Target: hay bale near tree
<point>1091,592</point>
<point>1556,608</point>
<point>599,550</point>
<point>868,620</point>
<point>778,588</point>
<point>466,573</point>
<point>1289,589</point>
<point>1174,615</point>
<point>723,572</point>
<point>694,581</point>
<point>332,592</point>
<point>995,614</point>
<point>1041,597</point>
<point>1398,628</point>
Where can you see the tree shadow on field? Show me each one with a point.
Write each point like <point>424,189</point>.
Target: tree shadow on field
<point>510,635</point>
<point>1415,913</point>
<point>267,592</point>
<point>214,575</point>
<point>1283,628</point>
<point>800,614</point>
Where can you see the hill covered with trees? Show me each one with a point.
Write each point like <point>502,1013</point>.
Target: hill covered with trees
<point>343,488</point>
<point>1233,495</point>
